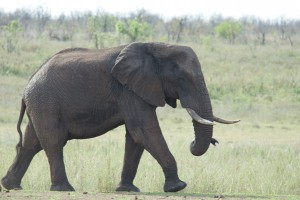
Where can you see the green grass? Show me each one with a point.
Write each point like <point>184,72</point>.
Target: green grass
<point>134,196</point>
<point>259,156</point>
<point>249,160</point>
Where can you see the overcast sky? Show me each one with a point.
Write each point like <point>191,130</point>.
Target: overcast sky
<point>265,9</point>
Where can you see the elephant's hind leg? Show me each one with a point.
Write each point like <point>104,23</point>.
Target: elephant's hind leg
<point>53,137</point>
<point>59,178</point>
<point>133,153</point>
<point>30,147</point>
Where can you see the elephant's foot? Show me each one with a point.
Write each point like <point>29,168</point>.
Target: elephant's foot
<point>62,187</point>
<point>174,186</point>
<point>127,188</point>
<point>9,182</point>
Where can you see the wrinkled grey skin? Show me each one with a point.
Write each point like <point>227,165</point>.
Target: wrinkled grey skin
<point>82,93</point>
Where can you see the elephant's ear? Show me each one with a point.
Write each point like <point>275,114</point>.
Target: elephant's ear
<point>137,69</point>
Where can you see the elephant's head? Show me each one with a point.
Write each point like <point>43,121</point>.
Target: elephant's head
<point>161,73</point>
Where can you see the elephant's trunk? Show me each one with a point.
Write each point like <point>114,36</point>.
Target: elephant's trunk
<point>203,135</point>
<point>197,102</point>
<point>203,127</point>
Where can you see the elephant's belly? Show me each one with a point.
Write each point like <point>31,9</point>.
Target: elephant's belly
<point>84,126</point>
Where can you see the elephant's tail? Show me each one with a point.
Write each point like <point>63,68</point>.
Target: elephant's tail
<point>22,111</point>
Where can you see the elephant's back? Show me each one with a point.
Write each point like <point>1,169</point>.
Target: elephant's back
<point>75,60</point>
<point>70,74</point>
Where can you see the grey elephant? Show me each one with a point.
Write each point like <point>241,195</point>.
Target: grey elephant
<point>80,93</point>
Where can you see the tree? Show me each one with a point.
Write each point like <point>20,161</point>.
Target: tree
<point>42,16</point>
<point>286,30</point>
<point>262,28</point>
<point>11,35</point>
<point>99,25</point>
<point>25,18</point>
<point>61,29</point>
<point>228,30</point>
<point>175,28</point>
<point>134,29</point>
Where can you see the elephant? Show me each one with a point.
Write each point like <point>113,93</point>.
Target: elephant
<point>82,93</point>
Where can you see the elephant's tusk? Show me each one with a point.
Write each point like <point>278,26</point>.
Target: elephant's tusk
<point>223,121</point>
<point>199,119</point>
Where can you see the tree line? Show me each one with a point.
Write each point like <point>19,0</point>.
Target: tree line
<point>102,27</point>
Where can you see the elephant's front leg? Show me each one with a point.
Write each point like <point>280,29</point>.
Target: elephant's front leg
<point>142,124</point>
<point>133,153</point>
<point>156,145</point>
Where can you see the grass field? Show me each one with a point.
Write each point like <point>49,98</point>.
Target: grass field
<point>260,156</point>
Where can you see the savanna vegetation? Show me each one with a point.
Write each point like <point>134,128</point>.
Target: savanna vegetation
<point>252,70</point>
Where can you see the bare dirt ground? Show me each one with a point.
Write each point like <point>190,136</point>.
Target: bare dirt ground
<point>26,195</point>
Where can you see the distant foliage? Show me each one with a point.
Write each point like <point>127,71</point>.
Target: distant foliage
<point>175,28</point>
<point>106,29</point>
<point>134,29</point>
<point>228,30</point>
<point>42,17</point>
<point>61,29</point>
<point>99,26</point>
<point>11,38</point>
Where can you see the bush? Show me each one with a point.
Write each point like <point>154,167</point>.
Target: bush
<point>134,29</point>
<point>228,30</point>
<point>11,32</point>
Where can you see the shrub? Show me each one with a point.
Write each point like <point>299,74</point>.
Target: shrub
<point>11,32</point>
<point>134,29</point>
<point>228,30</point>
